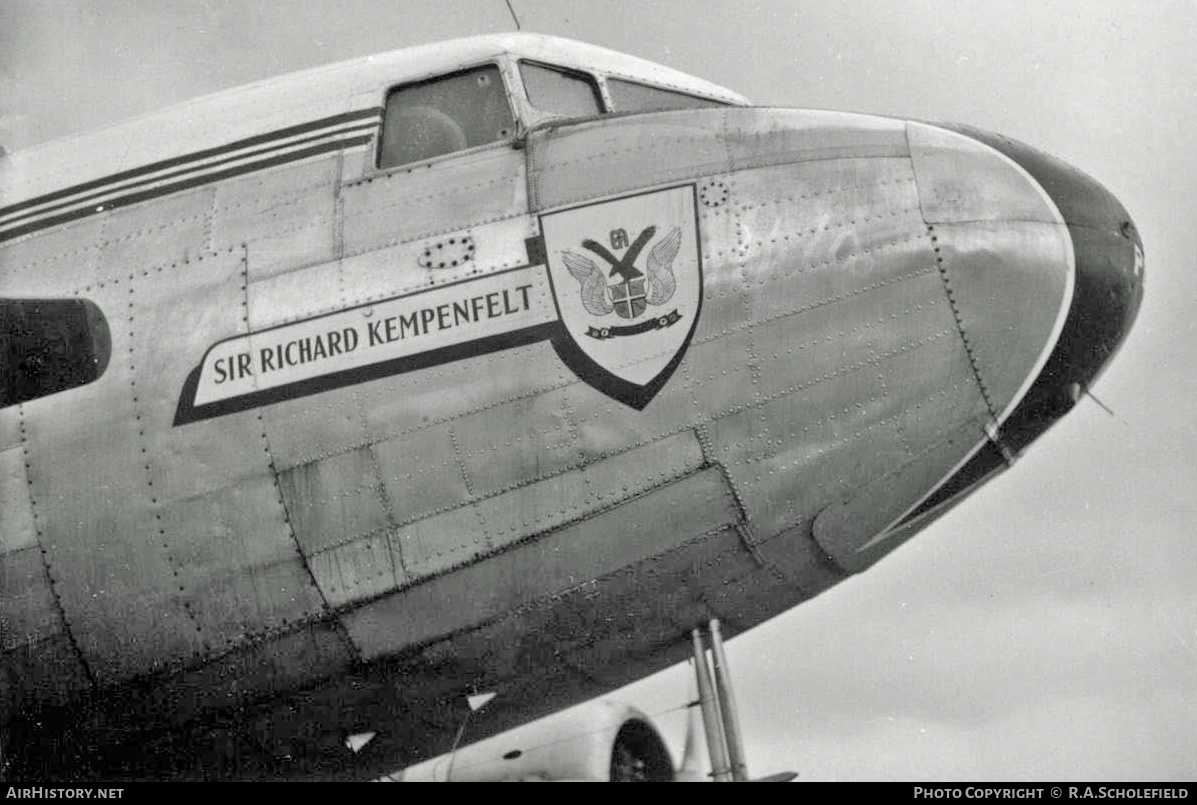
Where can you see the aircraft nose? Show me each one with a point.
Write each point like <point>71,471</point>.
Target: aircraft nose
<point>1108,286</point>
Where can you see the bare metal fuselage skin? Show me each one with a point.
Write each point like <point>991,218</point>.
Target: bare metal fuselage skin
<point>231,583</point>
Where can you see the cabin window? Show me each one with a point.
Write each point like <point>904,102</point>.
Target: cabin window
<point>628,96</point>
<point>561,92</point>
<point>49,345</point>
<point>444,115</point>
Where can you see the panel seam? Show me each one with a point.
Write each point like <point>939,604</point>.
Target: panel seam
<point>46,566</point>
<point>951,296</point>
<point>326,610</point>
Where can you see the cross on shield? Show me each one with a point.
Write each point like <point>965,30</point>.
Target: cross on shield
<point>628,297</point>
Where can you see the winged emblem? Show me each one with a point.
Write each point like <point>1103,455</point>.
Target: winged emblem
<point>634,290</point>
<point>594,284</point>
<point>661,282</point>
<point>628,305</point>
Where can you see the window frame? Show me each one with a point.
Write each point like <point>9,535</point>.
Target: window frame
<point>373,167</point>
<point>595,80</point>
<point>614,109</point>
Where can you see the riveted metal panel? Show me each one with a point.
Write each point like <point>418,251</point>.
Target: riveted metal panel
<point>670,588</point>
<point>28,612</point>
<point>285,214</point>
<point>164,231</point>
<point>421,473</point>
<point>819,210</point>
<point>54,262</point>
<point>611,155</point>
<point>645,526</point>
<point>845,463</point>
<point>46,672</point>
<point>599,628</point>
<point>852,332</point>
<point>358,570</point>
<point>310,240</point>
<point>261,669</point>
<point>639,609</point>
<point>545,504</point>
<point>204,457</point>
<point>297,294</point>
<point>724,304</point>
<point>210,287</point>
<point>238,562</point>
<point>235,608</point>
<point>954,400</point>
<point>16,514</point>
<point>443,196</point>
<point>754,597</point>
<point>607,156</point>
<point>96,509</point>
<point>437,543</point>
<point>850,530</point>
<point>795,277</point>
<point>794,556</point>
<point>199,457</point>
<point>334,500</point>
<point>141,534</point>
<point>826,193</point>
<point>221,522</point>
<point>516,442</point>
<point>413,400</point>
<point>839,431</point>
<point>604,426</point>
<point>800,423</point>
<point>365,567</point>
<point>960,179</point>
<point>723,301</point>
<point>307,429</point>
<point>721,372</point>
<point>422,263</point>
<point>501,244</point>
<point>396,270</point>
<point>1011,286</point>
<point>760,136</point>
<point>810,239</point>
<point>553,501</point>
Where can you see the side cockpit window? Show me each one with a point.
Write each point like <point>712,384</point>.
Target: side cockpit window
<point>443,115</point>
<point>559,91</point>
<point>629,96</point>
<point>49,345</point>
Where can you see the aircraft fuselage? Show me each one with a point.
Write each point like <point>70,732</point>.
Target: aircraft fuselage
<point>513,418</point>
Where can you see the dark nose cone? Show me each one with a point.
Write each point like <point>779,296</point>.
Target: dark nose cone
<point>1106,296</point>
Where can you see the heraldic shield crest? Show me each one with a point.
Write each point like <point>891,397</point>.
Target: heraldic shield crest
<point>627,280</point>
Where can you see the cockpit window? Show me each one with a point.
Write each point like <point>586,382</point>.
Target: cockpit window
<point>628,96</point>
<point>561,92</point>
<point>443,115</point>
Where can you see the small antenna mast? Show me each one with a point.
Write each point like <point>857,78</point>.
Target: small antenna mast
<point>513,16</point>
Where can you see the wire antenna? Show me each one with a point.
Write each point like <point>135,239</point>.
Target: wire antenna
<point>513,16</point>
<point>1104,407</point>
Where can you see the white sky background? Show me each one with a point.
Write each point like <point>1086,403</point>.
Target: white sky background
<point>1047,628</point>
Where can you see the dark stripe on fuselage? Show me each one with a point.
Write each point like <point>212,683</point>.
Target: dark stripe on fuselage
<point>106,191</point>
<point>74,194</point>
<point>122,201</point>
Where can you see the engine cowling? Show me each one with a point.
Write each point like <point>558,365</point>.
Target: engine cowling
<point>598,742</point>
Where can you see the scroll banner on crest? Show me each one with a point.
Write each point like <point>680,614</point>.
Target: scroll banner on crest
<point>601,273</point>
<point>635,329</point>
